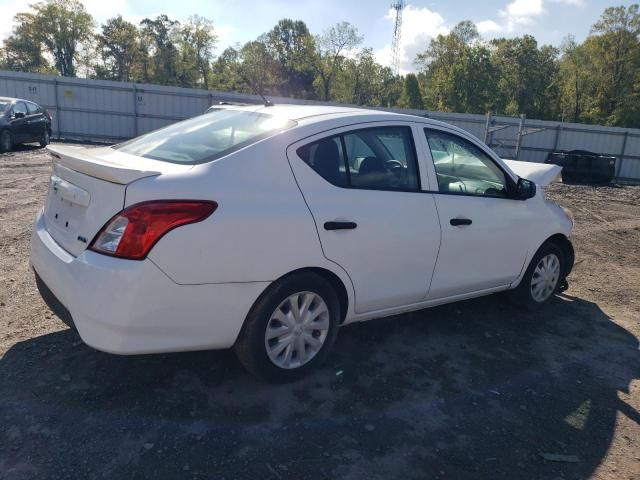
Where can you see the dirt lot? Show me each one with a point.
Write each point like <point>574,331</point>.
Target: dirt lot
<point>477,389</point>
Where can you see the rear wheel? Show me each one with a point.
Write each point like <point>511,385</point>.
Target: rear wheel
<point>290,329</point>
<point>45,140</point>
<point>6,142</point>
<point>542,278</point>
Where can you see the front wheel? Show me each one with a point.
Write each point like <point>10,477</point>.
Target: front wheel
<point>290,329</point>
<point>6,142</point>
<point>542,278</point>
<point>45,139</point>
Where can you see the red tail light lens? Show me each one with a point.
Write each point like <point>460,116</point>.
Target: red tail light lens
<point>133,232</point>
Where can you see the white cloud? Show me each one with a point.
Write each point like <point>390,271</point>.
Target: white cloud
<point>419,26</point>
<point>521,12</point>
<point>101,10</point>
<point>9,8</point>
<point>488,27</point>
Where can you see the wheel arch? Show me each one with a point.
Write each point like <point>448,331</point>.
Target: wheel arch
<point>566,246</point>
<point>334,280</point>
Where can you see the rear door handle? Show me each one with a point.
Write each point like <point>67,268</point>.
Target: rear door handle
<point>340,225</point>
<point>458,222</point>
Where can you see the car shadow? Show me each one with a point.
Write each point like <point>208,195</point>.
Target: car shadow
<point>477,389</point>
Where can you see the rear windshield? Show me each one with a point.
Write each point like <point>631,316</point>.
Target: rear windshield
<point>206,137</point>
<point>3,106</point>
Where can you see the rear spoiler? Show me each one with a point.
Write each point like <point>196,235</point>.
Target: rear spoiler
<point>99,163</point>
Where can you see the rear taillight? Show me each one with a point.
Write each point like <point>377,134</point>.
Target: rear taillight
<point>49,116</point>
<point>135,230</point>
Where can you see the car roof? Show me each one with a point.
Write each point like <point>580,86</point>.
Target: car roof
<point>11,100</point>
<point>307,114</point>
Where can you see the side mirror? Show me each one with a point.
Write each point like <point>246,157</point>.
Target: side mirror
<point>18,115</point>
<point>525,189</point>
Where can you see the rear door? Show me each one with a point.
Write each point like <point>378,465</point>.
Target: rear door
<point>362,186</point>
<point>36,122</point>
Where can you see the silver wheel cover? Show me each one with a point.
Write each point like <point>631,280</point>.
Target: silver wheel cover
<point>545,277</point>
<point>297,330</point>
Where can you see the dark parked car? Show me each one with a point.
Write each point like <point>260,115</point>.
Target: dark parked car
<point>22,121</point>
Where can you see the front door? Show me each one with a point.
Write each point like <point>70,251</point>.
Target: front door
<point>19,123</point>
<point>485,233</point>
<point>362,187</point>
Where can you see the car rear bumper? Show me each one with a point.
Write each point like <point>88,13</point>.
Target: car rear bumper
<point>132,307</point>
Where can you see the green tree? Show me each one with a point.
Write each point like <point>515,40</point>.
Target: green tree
<point>198,42</point>
<point>117,45</point>
<point>411,94</point>
<point>526,77</point>
<point>293,49</point>
<point>158,39</point>
<point>22,52</point>
<point>331,48</point>
<point>614,50</point>
<point>58,27</point>
<point>457,71</point>
<point>225,73</point>
<point>575,79</point>
<point>258,68</point>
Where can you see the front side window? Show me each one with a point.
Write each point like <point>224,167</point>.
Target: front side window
<point>462,168</point>
<point>19,107</point>
<point>207,137</point>
<point>381,158</point>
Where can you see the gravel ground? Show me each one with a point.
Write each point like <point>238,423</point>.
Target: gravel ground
<point>476,389</point>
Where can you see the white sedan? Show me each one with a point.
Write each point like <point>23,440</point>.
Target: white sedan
<point>267,228</point>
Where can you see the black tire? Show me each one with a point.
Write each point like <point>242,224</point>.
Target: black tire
<point>6,142</point>
<point>45,140</point>
<point>522,295</point>
<point>250,346</point>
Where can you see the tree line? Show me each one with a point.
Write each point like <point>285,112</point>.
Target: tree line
<point>596,81</point>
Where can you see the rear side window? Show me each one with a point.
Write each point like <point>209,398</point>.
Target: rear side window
<point>207,137</point>
<point>381,158</point>
<point>33,108</point>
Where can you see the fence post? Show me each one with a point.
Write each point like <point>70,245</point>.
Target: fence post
<point>487,126</point>
<point>135,110</point>
<point>55,99</point>
<point>519,138</point>
<point>622,152</point>
<point>557,139</point>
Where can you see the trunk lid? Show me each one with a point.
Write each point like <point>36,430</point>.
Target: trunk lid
<point>541,174</point>
<point>88,186</point>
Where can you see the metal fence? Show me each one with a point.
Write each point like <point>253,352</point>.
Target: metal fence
<point>106,111</point>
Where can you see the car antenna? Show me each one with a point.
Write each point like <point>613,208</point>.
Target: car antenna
<point>258,91</point>
<point>267,102</point>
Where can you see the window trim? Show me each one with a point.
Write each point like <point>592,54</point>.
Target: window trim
<point>349,186</point>
<point>510,183</point>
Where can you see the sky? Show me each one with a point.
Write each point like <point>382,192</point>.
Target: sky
<point>238,21</point>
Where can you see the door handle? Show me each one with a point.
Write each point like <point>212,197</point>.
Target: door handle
<point>340,225</point>
<point>459,222</point>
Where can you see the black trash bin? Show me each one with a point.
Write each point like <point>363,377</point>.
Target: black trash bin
<point>584,166</point>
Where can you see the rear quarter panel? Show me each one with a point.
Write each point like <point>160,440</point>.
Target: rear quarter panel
<point>261,230</point>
